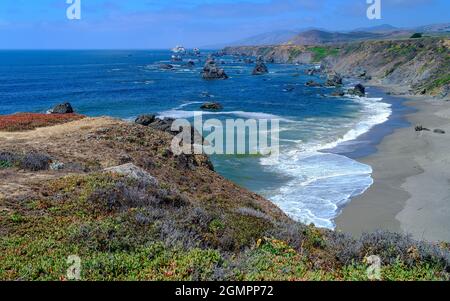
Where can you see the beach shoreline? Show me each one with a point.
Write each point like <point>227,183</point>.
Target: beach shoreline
<point>411,172</point>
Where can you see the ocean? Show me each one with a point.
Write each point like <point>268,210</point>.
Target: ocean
<point>317,174</point>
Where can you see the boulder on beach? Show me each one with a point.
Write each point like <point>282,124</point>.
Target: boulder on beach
<point>211,71</point>
<point>359,90</point>
<point>145,120</point>
<point>420,128</point>
<point>334,80</point>
<point>211,106</point>
<point>63,108</point>
<point>260,67</point>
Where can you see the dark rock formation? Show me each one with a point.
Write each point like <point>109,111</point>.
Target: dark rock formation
<point>312,83</point>
<point>334,80</point>
<point>260,67</point>
<point>439,131</point>
<point>359,90</point>
<point>64,108</point>
<point>420,128</point>
<point>190,64</point>
<point>145,120</point>
<point>166,66</point>
<point>163,125</point>
<point>211,71</point>
<point>211,106</point>
<point>338,93</point>
<point>289,88</point>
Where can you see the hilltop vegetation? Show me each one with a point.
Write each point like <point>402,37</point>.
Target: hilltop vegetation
<point>180,221</point>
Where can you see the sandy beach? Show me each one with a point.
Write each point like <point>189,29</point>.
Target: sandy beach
<point>411,171</point>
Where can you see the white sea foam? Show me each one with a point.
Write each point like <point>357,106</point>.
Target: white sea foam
<point>177,113</point>
<point>322,183</point>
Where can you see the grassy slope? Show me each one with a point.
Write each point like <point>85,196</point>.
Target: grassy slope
<point>178,229</point>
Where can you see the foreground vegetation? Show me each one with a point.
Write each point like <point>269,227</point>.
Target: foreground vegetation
<point>180,222</point>
<point>124,229</point>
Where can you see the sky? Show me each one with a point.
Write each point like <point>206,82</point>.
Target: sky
<point>149,24</point>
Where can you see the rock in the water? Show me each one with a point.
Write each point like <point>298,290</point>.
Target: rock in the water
<point>248,61</point>
<point>211,71</point>
<point>334,80</point>
<point>176,58</point>
<point>132,171</point>
<point>439,131</point>
<point>260,67</point>
<point>145,120</point>
<point>312,83</point>
<point>359,90</point>
<point>338,93</point>
<point>211,106</point>
<point>166,66</point>
<point>190,64</point>
<point>64,108</point>
<point>289,88</point>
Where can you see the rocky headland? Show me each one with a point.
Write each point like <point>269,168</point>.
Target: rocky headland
<point>413,66</point>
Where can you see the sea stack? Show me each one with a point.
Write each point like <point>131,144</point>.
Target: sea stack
<point>260,67</point>
<point>334,80</point>
<point>63,108</point>
<point>211,71</point>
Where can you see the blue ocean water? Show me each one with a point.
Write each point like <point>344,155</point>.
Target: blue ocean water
<point>308,183</point>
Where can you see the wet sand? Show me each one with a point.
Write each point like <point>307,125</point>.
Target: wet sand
<point>411,171</point>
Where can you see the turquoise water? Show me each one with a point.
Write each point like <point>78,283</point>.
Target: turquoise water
<point>307,183</point>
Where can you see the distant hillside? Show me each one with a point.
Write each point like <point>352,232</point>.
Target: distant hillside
<point>314,36</point>
<point>436,28</point>
<point>379,28</point>
<point>318,37</point>
<point>419,66</point>
<point>271,38</point>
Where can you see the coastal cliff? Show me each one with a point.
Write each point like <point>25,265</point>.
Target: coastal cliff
<point>113,193</point>
<point>417,66</point>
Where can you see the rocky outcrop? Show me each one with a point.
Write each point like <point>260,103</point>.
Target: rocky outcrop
<point>164,125</point>
<point>145,120</point>
<point>334,80</point>
<point>260,67</point>
<point>312,83</point>
<point>166,66</point>
<point>417,66</point>
<point>338,93</point>
<point>64,108</point>
<point>359,90</point>
<point>190,64</point>
<point>212,72</point>
<point>213,106</point>
<point>132,171</point>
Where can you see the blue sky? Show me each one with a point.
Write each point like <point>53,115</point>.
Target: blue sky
<point>126,24</point>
